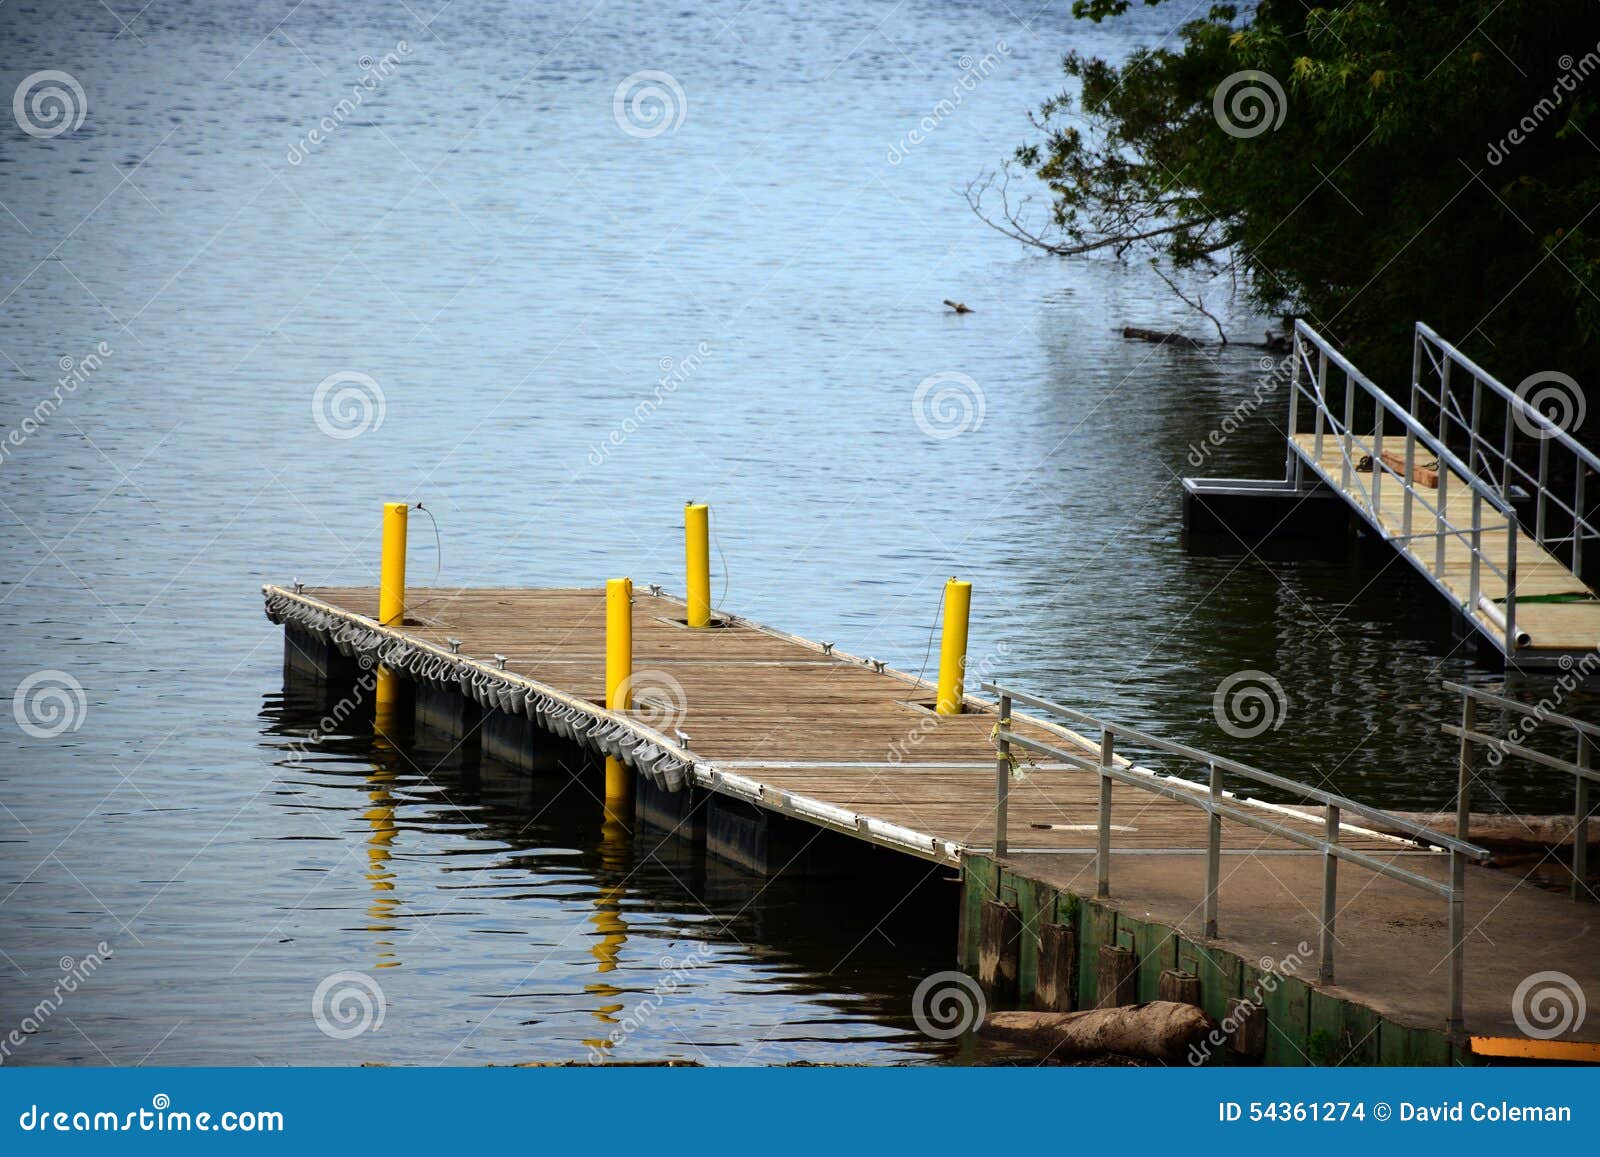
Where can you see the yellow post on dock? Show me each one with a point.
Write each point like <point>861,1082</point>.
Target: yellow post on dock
<point>391,609</point>
<point>619,668</point>
<point>953,646</point>
<point>392,571</point>
<point>697,563</point>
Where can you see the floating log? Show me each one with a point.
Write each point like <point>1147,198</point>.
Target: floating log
<point>1159,1031</point>
<point>1159,338</point>
<point>958,306</point>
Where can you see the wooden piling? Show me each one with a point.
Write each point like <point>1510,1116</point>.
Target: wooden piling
<point>999,949</point>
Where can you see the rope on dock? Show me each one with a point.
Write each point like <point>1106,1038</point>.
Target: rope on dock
<point>668,766</point>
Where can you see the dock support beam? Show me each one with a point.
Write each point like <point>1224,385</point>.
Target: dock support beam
<point>953,647</point>
<point>619,690</point>
<point>697,564</point>
<point>392,569</point>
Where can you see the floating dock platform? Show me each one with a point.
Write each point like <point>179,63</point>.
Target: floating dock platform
<point>1087,877</point>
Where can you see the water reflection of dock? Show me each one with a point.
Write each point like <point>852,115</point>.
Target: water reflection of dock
<point>789,757</point>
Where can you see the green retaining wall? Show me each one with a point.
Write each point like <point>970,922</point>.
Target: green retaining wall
<point>1304,1025</point>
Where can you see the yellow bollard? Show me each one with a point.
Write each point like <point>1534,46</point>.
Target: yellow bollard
<point>386,704</point>
<point>619,667</point>
<point>697,563</point>
<point>953,646</point>
<point>392,572</point>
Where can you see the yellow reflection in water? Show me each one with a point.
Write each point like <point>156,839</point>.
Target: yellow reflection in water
<point>380,816</point>
<point>615,853</point>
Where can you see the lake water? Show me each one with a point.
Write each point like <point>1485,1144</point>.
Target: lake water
<point>462,222</point>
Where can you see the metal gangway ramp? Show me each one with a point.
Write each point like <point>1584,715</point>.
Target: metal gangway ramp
<point>1481,492</point>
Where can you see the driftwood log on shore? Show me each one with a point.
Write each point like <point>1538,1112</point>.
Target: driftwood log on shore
<point>1161,1030</point>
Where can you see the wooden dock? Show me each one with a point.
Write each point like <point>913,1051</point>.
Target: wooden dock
<point>743,736</point>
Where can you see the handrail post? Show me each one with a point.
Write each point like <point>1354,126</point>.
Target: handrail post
<point>1475,582</point>
<point>1580,518</point>
<point>1330,895</point>
<point>1505,454</point>
<point>1409,488</point>
<point>1213,853</point>
<point>1002,774</point>
<point>1349,436</point>
<point>1538,506</point>
<point>1477,428</point>
<point>1102,884</point>
<point>1290,458</point>
<point>1377,453</point>
<point>1440,525</point>
<point>1444,409</point>
<point>1511,583</point>
<point>1580,830</point>
<point>1322,398</point>
<point>1458,865</point>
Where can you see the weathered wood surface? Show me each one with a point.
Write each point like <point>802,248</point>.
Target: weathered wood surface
<point>777,709</point>
<point>1555,627</point>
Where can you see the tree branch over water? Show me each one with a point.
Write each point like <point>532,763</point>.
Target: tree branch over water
<point>1363,165</point>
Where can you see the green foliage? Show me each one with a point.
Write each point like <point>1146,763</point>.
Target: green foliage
<point>1436,159</point>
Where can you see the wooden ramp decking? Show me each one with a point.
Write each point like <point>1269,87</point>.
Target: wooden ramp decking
<point>1555,629</point>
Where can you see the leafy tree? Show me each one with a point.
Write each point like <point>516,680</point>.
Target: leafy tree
<point>1363,166</point>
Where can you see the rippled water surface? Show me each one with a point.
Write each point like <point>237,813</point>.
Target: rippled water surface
<point>517,274</point>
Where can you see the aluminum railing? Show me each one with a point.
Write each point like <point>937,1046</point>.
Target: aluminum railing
<point>1507,439</point>
<point>1220,804</point>
<point>1334,413</point>
<point>1580,767</point>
